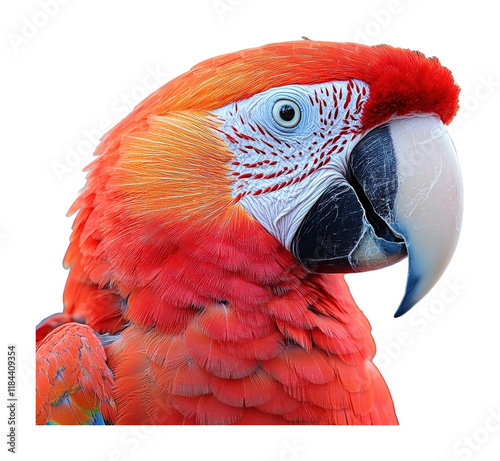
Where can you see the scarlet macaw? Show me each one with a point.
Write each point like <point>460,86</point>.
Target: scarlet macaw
<point>207,257</point>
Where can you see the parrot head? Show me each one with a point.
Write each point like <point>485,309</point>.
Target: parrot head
<point>338,150</point>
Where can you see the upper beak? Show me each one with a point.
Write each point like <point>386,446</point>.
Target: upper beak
<point>401,195</point>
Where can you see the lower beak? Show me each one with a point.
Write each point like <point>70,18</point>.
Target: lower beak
<point>401,195</point>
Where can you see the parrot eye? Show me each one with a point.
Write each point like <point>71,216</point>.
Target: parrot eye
<point>286,113</point>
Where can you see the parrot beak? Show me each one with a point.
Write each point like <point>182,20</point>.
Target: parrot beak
<point>400,195</point>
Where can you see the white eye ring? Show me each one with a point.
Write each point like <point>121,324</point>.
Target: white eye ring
<point>286,113</point>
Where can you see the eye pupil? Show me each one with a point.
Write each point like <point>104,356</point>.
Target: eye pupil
<point>287,113</point>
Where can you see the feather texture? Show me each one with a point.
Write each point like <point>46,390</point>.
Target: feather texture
<point>74,384</point>
<point>208,318</point>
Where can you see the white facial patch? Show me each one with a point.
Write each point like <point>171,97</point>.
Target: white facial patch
<point>290,143</point>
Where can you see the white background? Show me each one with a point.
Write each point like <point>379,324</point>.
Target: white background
<point>69,75</point>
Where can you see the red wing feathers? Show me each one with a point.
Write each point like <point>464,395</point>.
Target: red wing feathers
<point>74,384</point>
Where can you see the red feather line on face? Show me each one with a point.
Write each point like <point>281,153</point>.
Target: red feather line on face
<point>218,322</point>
